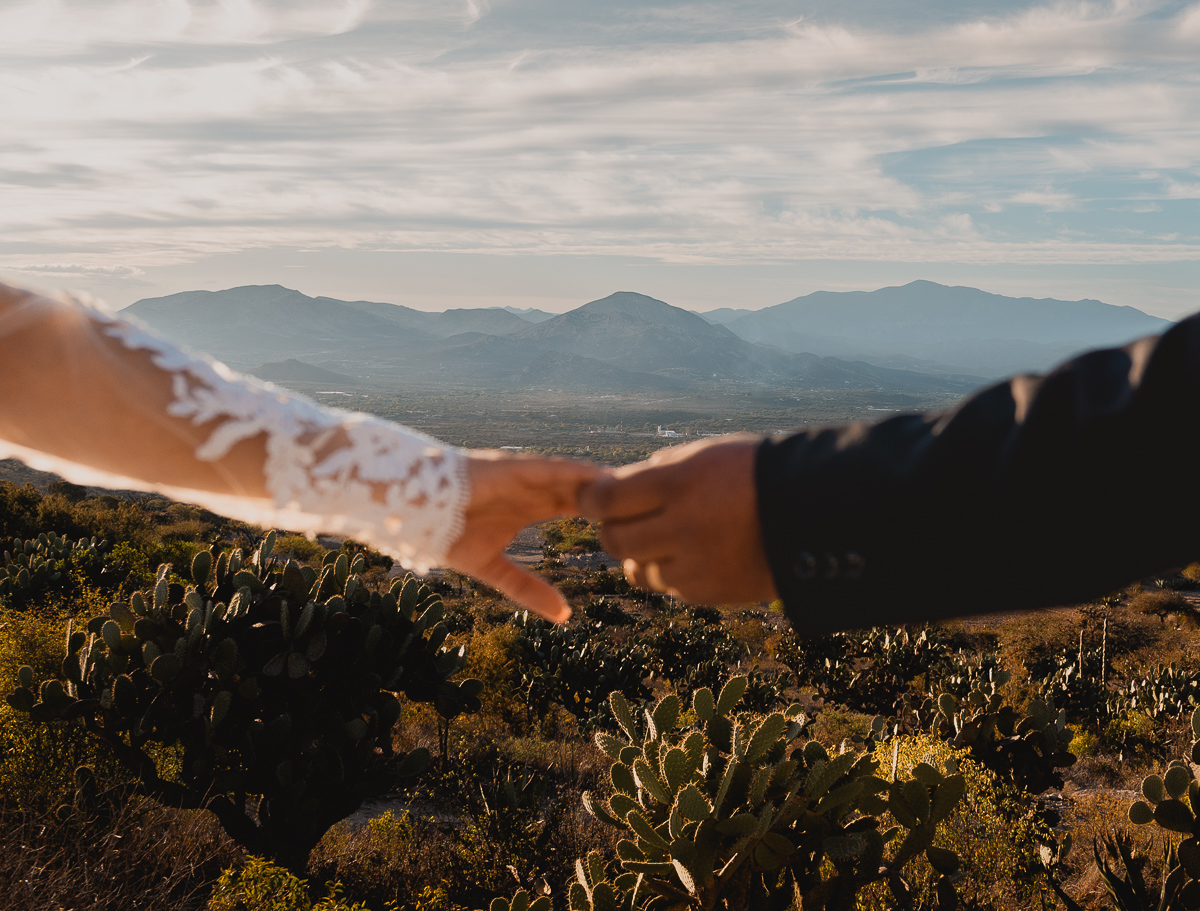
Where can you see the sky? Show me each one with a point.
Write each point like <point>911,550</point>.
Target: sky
<point>543,153</point>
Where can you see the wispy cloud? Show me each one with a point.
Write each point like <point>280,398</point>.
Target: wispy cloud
<point>162,130</point>
<point>77,269</point>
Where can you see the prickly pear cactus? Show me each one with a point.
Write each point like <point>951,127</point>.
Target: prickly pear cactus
<point>576,669</point>
<point>277,682</point>
<point>1026,747</point>
<point>33,567</point>
<point>733,812</point>
<point>522,901</point>
<point>1172,801</point>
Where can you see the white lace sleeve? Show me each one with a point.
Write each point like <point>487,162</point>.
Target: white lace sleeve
<point>325,470</point>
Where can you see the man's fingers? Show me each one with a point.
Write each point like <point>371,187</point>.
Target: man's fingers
<point>527,589</point>
<point>634,574</point>
<point>625,496</point>
<point>654,537</point>
<point>650,575</point>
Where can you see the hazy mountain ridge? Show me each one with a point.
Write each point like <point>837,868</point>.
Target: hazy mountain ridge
<point>912,338</point>
<point>294,371</point>
<point>950,329</point>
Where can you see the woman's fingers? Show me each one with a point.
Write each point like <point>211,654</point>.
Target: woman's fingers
<point>525,588</point>
<point>509,492</point>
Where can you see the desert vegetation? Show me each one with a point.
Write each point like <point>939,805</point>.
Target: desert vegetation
<point>201,715</point>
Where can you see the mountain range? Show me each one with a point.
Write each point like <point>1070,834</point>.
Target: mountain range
<point>940,329</point>
<point>921,337</point>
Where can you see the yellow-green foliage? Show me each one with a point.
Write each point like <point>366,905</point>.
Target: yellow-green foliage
<point>1131,729</point>
<point>567,534</point>
<point>991,829</point>
<point>262,886</point>
<point>1192,572</point>
<point>300,549</point>
<point>1083,742</point>
<point>37,761</point>
<point>836,724</point>
<point>492,658</point>
<point>389,862</point>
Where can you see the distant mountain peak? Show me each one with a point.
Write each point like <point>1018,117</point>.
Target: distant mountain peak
<point>627,302</point>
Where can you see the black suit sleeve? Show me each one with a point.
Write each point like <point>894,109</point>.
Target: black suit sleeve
<point>1039,491</point>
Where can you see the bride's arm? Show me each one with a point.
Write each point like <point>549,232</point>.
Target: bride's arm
<point>99,401</point>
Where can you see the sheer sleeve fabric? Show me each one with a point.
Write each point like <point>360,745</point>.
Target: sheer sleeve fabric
<point>102,400</point>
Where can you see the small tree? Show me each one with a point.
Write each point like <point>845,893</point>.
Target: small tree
<point>277,685</point>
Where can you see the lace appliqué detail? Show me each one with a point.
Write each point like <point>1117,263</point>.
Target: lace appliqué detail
<point>326,470</point>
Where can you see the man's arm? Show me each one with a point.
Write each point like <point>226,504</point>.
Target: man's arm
<point>1037,491</point>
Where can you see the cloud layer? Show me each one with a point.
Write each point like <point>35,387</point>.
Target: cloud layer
<point>147,132</point>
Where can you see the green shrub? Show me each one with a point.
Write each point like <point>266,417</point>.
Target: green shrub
<point>993,829</point>
<point>300,548</point>
<point>262,886</point>
<point>563,535</point>
<point>1083,742</point>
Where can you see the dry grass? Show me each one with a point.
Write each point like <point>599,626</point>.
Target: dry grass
<point>143,856</point>
<point>1095,816</point>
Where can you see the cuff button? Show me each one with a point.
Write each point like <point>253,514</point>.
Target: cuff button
<point>805,567</point>
<point>855,565</point>
<point>830,564</point>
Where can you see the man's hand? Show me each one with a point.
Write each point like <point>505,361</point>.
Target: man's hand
<point>685,522</point>
<point>509,492</point>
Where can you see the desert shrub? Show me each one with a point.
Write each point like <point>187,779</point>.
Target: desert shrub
<point>260,885</point>
<point>38,759</point>
<point>1162,602</point>
<point>396,859</point>
<point>563,535</point>
<point>1083,743</point>
<point>994,829</point>
<point>1191,572</point>
<point>752,633</point>
<point>493,658</point>
<point>835,725</point>
<point>300,548</point>
<point>1030,644</point>
<point>25,512</point>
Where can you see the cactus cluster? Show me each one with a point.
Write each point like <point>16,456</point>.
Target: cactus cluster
<point>522,901</point>
<point>276,682</point>
<point>869,670</point>
<point>1163,691</point>
<point>694,655</point>
<point>734,812</point>
<point>573,668</point>
<point>33,567</point>
<point>1027,747</point>
<point>1172,801</point>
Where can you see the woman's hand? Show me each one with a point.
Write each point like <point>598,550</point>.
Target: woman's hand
<point>509,492</point>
